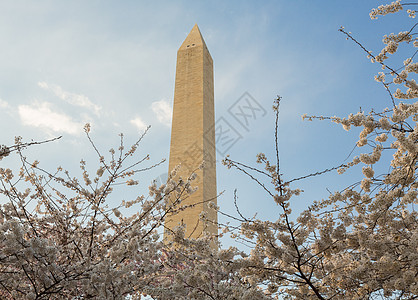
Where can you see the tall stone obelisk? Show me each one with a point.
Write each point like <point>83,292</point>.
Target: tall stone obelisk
<point>193,137</point>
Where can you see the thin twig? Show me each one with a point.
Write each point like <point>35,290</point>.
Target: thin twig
<point>236,206</point>
<point>317,173</point>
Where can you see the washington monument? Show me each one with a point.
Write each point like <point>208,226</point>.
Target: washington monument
<point>193,137</point>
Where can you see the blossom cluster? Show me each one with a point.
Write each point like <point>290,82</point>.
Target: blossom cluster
<point>4,151</point>
<point>386,9</point>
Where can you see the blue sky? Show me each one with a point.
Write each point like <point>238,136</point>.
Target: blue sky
<point>112,63</point>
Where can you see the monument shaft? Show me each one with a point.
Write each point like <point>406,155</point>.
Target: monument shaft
<point>193,137</point>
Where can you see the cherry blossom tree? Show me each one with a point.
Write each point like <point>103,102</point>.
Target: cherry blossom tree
<point>60,239</point>
<point>362,242</point>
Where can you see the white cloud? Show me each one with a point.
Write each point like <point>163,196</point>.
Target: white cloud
<point>41,115</point>
<point>139,123</point>
<point>4,104</point>
<point>73,99</point>
<point>163,111</point>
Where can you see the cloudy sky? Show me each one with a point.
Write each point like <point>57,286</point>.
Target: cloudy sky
<point>112,64</point>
